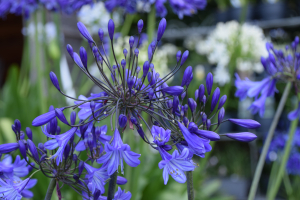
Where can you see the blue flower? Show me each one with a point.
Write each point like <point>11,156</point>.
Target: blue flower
<point>122,195</point>
<point>97,177</point>
<point>175,165</point>
<point>116,152</point>
<point>12,189</point>
<point>160,135</point>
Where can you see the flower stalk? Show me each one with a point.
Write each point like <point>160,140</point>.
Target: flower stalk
<point>266,146</point>
<point>284,160</point>
<point>50,189</point>
<point>190,187</point>
<point>112,186</point>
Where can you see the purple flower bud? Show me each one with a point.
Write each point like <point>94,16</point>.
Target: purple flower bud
<point>90,141</point>
<point>173,90</point>
<point>122,120</point>
<point>80,168</point>
<point>196,94</point>
<point>54,80</point>
<point>192,104</point>
<point>131,41</point>
<point>101,34</point>
<point>175,103</point>
<point>146,68</point>
<point>33,150</point>
<point>161,28</point>
<point>29,133</point>
<point>73,117</point>
<point>138,69</point>
<point>18,125</point>
<point>185,121</point>
<point>70,50</point>
<point>123,63</point>
<point>8,147</point>
<point>136,52</point>
<point>215,99</point>
<point>92,106</point>
<point>222,101</point>
<point>151,66</point>
<point>77,60</point>
<point>187,73</point>
<point>149,52</point>
<point>83,56</point>
<point>121,180</point>
<point>208,123</point>
<point>221,115</point>
<point>13,127</point>
<point>183,95</point>
<point>201,92</point>
<point>247,123</point>
<point>96,194</point>
<point>204,118</point>
<point>178,56</point>
<point>209,82</point>
<point>184,57</point>
<point>153,45</point>
<point>130,82</point>
<point>41,147</point>
<point>141,133</point>
<point>58,130</point>
<point>67,151</point>
<point>133,120</point>
<point>111,29</point>
<point>22,148</point>
<point>192,127</point>
<point>208,134</point>
<point>75,158</point>
<point>140,25</point>
<point>150,93</point>
<point>59,113</point>
<point>125,52</point>
<point>84,32</point>
<point>22,135</point>
<point>169,103</point>
<point>185,109</point>
<point>243,137</point>
<point>204,99</point>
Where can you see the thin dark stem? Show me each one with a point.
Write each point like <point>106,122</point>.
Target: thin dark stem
<point>50,189</point>
<point>112,186</point>
<point>189,183</point>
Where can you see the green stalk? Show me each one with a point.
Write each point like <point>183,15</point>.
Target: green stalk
<point>151,23</point>
<point>190,187</point>
<point>288,186</point>
<point>285,157</point>
<point>50,189</point>
<point>112,186</point>
<point>266,146</point>
<point>127,24</point>
<point>274,171</point>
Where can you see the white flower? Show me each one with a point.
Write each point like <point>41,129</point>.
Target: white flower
<point>50,30</point>
<point>221,75</point>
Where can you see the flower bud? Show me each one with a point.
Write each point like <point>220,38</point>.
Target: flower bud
<point>84,32</point>
<point>70,50</point>
<point>153,45</point>
<point>192,104</point>
<point>121,180</point>
<point>140,25</point>
<point>83,56</point>
<point>22,148</point>
<point>161,28</point>
<point>204,99</point>
<point>59,113</point>
<point>209,82</point>
<point>136,52</point>
<point>17,125</point>
<point>201,92</point>
<point>66,151</point>
<point>175,103</point>
<point>150,93</point>
<point>125,52</point>
<point>111,29</point>
<point>243,137</point>
<point>247,123</point>
<point>146,67</point>
<point>77,60</point>
<point>101,34</point>
<point>208,134</point>
<point>22,135</point>
<point>185,121</point>
<point>178,56</point>
<point>222,101</point>
<point>196,94</point>
<point>184,57</point>
<point>141,133</point>
<point>41,146</point>
<point>123,63</point>
<point>131,41</point>
<point>80,168</point>
<point>29,133</point>
<point>173,90</point>
<point>122,120</point>
<point>221,115</point>
<point>130,82</point>
<point>133,120</point>
<point>192,127</point>
<point>90,141</point>
<point>58,130</point>
<point>13,127</point>
<point>183,95</point>
<point>54,80</point>
<point>187,73</point>
<point>204,118</point>
<point>73,118</point>
<point>215,99</point>
<point>208,123</point>
<point>33,150</point>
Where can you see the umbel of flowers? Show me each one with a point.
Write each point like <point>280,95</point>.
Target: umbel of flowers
<point>176,122</point>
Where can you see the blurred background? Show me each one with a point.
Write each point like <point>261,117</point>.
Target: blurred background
<point>227,37</point>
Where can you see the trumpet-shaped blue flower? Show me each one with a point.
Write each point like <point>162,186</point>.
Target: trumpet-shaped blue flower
<point>97,177</point>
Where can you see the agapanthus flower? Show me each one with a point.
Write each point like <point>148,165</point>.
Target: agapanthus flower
<point>280,65</point>
<point>16,189</point>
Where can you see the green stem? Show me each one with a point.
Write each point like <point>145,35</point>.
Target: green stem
<point>274,171</point>
<point>288,186</point>
<point>151,23</point>
<point>266,146</point>
<point>285,157</point>
<point>112,186</point>
<point>127,24</point>
<point>50,189</point>
<point>190,187</point>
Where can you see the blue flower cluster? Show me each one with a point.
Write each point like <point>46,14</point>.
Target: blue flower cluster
<point>176,122</point>
<point>280,66</point>
<point>277,147</point>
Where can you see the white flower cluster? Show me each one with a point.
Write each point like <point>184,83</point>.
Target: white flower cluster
<point>95,16</point>
<point>231,42</point>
